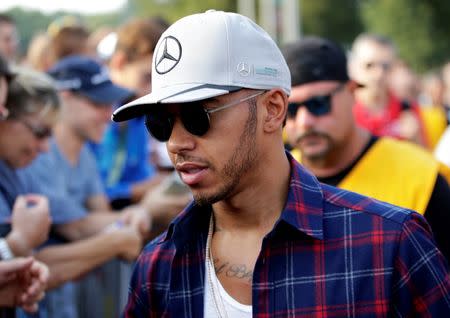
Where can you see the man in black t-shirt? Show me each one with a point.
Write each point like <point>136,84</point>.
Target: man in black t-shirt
<point>326,139</point>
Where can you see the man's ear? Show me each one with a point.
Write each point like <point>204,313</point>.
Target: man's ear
<point>275,102</point>
<point>118,60</point>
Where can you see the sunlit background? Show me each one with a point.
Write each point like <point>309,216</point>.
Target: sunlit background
<point>419,28</point>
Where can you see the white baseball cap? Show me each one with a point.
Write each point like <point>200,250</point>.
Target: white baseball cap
<point>210,54</point>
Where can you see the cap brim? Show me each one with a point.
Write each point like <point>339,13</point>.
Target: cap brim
<point>107,94</point>
<point>174,94</point>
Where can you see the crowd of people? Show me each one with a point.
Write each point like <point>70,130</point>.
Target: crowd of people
<point>300,180</point>
<point>63,157</point>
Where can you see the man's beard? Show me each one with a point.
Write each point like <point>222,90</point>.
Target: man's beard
<point>242,160</point>
<point>318,156</point>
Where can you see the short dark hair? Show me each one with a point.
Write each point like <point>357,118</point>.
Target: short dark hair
<point>69,40</point>
<point>7,19</point>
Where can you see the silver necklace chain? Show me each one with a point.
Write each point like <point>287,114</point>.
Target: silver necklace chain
<point>217,298</point>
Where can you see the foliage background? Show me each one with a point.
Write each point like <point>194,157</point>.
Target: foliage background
<point>420,28</point>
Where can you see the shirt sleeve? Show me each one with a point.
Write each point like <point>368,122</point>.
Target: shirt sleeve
<point>5,211</point>
<point>149,285</point>
<point>137,304</point>
<point>421,280</point>
<point>5,217</point>
<point>90,166</point>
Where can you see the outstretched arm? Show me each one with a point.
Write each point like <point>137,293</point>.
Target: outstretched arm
<point>69,261</point>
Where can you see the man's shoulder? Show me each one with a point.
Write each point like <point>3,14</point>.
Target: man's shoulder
<point>154,265</point>
<point>403,151</point>
<point>87,155</point>
<point>43,166</point>
<point>340,202</point>
<point>337,204</point>
<point>45,162</point>
<point>158,250</point>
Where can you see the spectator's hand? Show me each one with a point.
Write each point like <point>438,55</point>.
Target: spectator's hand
<point>164,206</point>
<point>137,217</point>
<point>130,242</point>
<point>30,223</point>
<point>9,269</point>
<point>164,202</point>
<point>26,280</point>
<point>37,279</point>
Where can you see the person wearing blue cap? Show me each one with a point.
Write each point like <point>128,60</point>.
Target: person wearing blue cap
<point>123,162</point>
<point>67,174</point>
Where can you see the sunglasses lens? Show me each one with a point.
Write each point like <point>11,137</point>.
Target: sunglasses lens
<point>319,106</point>
<point>159,125</point>
<point>42,133</point>
<point>292,110</point>
<point>195,119</point>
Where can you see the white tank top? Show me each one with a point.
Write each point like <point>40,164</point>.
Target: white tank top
<point>234,309</point>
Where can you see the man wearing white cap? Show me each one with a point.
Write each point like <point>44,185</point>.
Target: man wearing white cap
<point>263,238</point>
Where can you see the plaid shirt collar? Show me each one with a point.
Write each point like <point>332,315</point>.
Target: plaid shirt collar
<point>303,210</point>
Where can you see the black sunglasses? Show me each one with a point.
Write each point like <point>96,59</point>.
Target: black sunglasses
<point>38,132</point>
<point>317,105</point>
<point>193,115</point>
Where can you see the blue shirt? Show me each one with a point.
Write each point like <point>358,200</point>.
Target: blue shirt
<point>332,253</point>
<point>123,157</point>
<point>10,188</point>
<point>67,186</point>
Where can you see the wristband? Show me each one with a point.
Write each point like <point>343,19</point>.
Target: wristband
<point>5,251</point>
<point>114,226</point>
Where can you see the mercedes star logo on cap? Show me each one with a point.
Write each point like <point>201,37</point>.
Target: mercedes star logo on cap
<point>168,55</point>
<point>243,69</point>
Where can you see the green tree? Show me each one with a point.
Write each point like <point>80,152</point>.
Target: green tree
<point>336,20</point>
<point>107,19</point>
<point>172,10</point>
<point>419,28</point>
<point>29,23</point>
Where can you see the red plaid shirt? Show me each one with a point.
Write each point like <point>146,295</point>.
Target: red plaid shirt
<point>332,253</point>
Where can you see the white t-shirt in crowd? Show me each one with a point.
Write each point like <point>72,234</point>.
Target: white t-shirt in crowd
<point>442,151</point>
